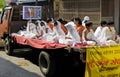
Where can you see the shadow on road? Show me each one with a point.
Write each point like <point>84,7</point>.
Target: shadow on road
<point>68,69</point>
<point>8,69</point>
<point>29,55</point>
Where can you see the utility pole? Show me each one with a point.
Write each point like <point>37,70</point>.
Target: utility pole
<point>36,2</point>
<point>117,16</point>
<point>51,7</point>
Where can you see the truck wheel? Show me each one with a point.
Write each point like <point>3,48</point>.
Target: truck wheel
<point>8,47</point>
<point>47,64</point>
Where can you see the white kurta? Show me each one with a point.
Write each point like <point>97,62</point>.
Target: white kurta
<point>72,33</point>
<point>102,38</point>
<point>32,28</point>
<point>90,35</point>
<point>57,35</point>
<point>106,35</point>
<point>49,37</point>
<point>47,27</point>
<point>110,33</point>
<point>97,32</point>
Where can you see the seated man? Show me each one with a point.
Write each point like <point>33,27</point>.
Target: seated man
<point>34,29</point>
<point>98,31</point>
<point>50,24</point>
<point>111,33</point>
<point>88,34</point>
<point>108,35</point>
<point>72,36</point>
<point>57,35</point>
<point>79,27</point>
<point>63,25</point>
<point>45,27</point>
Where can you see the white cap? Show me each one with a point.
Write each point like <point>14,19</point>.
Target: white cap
<point>86,18</point>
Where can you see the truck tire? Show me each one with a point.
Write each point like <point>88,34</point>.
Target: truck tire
<point>47,64</point>
<point>8,46</point>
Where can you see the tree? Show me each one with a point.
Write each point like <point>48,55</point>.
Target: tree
<point>2,4</point>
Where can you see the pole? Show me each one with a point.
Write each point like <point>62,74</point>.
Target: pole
<point>100,10</point>
<point>117,15</point>
<point>36,2</point>
<point>51,7</point>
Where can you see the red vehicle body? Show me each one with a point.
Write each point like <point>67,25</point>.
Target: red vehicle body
<point>51,56</point>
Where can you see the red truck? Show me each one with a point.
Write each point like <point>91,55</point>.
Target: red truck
<point>51,55</point>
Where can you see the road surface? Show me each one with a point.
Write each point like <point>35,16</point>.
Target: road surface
<point>16,66</point>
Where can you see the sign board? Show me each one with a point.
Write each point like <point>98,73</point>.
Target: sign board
<point>103,61</point>
<point>32,12</point>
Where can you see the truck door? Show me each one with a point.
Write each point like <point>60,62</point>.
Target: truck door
<point>4,21</point>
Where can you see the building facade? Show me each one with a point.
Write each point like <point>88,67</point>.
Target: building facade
<point>97,10</point>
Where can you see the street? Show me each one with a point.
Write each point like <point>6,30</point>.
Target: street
<point>17,66</point>
<point>25,64</point>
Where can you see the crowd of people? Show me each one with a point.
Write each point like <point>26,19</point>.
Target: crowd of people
<point>74,32</point>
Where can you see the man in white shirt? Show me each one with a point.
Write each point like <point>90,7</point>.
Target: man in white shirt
<point>97,33</point>
<point>72,33</point>
<point>34,29</point>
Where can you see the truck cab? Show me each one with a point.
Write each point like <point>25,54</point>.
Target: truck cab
<point>11,18</point>
<point>4,21</point>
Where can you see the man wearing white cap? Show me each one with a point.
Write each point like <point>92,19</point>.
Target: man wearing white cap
<point>86,18</point>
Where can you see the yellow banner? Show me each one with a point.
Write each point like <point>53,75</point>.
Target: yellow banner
<point>103,61</point>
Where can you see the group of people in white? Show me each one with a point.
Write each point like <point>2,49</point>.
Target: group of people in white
<point>71,33</point>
